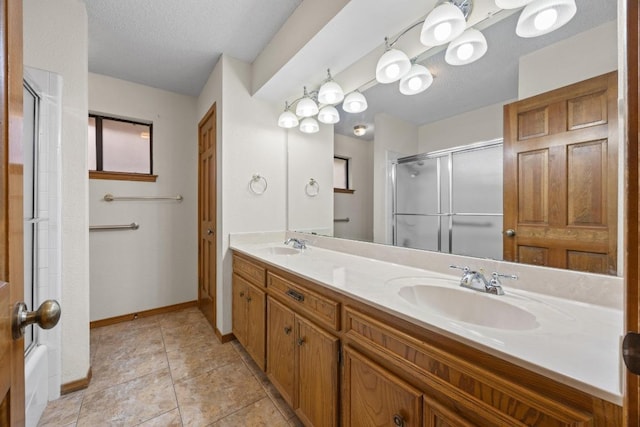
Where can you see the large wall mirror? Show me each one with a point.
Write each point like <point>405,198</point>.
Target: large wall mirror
<point>425,157</point>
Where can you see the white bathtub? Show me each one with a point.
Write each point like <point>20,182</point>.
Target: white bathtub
<point>36,384</point>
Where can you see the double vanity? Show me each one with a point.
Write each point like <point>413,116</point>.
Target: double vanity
<point>359,340</point>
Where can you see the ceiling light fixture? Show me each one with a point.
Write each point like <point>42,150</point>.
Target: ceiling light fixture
<point>306,107</point>
<point>355,102</point>
<point>446,22</point>
<point>544,16</point>
<point>359,130</point>
<point>417,80</point>
<point>469,47</point>
<point>309,125</point>
<point>308,112</point>
<point>393,64</point>
<point>329,115</point>
<point>330,92</point>
<point>287,119</point>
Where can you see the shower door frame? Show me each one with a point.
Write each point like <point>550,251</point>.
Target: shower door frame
<point>439,156</point>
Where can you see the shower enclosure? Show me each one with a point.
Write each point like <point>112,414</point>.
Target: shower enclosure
<point>450,200</point>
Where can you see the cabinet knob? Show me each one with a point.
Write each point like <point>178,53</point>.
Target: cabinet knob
<point>510,232</point>
<point>398,420</point>
<point>287,330</point>
<point>241,294</point>
<point>300,341</point>
<point>248,299</point>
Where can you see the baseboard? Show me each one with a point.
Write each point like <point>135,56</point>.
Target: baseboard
<point>141,314</point>
<point>76,385</point>
<point>224,338</point>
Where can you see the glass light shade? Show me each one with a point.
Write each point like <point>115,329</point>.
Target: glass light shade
<point>417,80</point>
<point>329,115</point>
<point>443,24</point>
<point>512,4</point>
<point>309,125</point>
<point>544,16</point>
<point>287,120</point>
<point>330,93</point>
<point>359,130</point>
<point>355,102</point>
<point>306,107</point>
<point>392,66</point>
<point>469,47</point>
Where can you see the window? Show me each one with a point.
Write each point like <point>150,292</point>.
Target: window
<point>120,149</point>
<point>341,175</point>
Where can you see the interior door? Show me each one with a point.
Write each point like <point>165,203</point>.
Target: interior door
<point>560,177</point>
<point>632,217</point>
<point>11,218</point>
<point>207,216</point>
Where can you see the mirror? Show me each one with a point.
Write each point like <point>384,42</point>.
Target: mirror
<point>464,106</point>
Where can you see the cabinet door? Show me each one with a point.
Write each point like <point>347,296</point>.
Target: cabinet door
<point>317,374</point>
<point>280,349</point>
<point>374,397</point>
<point>436,415</point>
<point>239,309</point>
<point>256,310</point>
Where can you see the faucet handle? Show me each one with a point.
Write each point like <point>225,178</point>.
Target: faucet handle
<point>464,269</point>
<point>496,276</point>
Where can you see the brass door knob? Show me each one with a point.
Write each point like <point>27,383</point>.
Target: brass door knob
<point>46,317</point>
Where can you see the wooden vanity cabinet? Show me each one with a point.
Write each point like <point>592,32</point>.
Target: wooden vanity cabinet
<point>302,357</point>
<point>248,315</point>
<point>248,309</point>
<point>372,396</point>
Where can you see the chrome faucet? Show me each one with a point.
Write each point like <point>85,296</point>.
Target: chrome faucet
<point>297,243</point>
<point>475,280</point>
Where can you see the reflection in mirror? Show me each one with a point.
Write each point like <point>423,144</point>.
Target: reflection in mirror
<point>463,107</point>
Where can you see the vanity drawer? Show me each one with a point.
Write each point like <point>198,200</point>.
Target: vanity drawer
<point>473,389</point>
<point>249,271</point>
<point>318,307</point>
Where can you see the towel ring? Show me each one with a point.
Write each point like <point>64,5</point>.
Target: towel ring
<point>312,188</point>
<point>258,184</point>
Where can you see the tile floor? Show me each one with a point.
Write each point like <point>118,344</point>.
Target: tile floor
<point>170,370</point>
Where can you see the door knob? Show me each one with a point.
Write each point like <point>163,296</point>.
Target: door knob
<point>510,232</point>
<point>46,317</point>
<point>631,352</point>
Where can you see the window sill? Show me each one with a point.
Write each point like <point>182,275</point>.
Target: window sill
<point>122,176</point>
<point>343,190</point>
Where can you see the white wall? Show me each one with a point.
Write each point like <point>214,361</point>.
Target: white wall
<point>55,39</point>
<point>248,142</point>
<point>310,156</point>
<point>156,265</point>
<point>585,55</point>
<point>394,138</point>
<point>482,124</point>
<point>358,207</point>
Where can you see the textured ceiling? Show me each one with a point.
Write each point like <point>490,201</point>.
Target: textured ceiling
<point>174,44</point>
<point>490,80</point>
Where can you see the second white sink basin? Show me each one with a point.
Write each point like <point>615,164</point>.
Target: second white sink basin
<point>469,306</point>
<point>280,250</point>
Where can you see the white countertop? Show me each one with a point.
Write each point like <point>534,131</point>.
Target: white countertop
<point>575,343</point>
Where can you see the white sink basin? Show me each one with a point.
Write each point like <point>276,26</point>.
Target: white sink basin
<point>280,250</point>
<point>469,306</point>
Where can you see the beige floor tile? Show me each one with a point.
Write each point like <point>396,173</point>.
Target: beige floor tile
<point>200,358</point>
<point>185,336</point>
<point>63,411</point>
<point>130,403</point>
<point>107,373</point>
<point>168,419</point>
<point>147,340</point>
<point>259,414</point>
<point>180,318</point>
<point>212,396</point>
